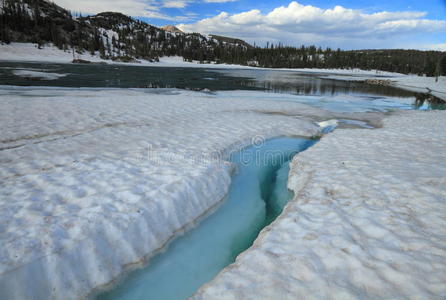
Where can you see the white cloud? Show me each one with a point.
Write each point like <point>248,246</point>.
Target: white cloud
<point>135,8</point>
<point>219,1</point>
<point>175,3</point>
<point>129,7</point>
<point>303,24</point>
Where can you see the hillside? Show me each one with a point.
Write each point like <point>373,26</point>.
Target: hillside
<point>113,35</point>
<point>230,40</point>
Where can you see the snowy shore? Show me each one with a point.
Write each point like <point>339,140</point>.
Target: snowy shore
<point>93,181</point>
<point>413,83</point>
<point>27,52</point>
<point>367,220</point>
<point>30,52</point>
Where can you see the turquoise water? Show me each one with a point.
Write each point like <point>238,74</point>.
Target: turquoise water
<point>256,197</point>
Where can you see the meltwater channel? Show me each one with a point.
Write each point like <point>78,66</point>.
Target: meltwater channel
<point>257,195</point>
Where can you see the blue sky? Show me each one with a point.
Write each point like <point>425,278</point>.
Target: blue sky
<point>435,8</point>
<point>347,24</point>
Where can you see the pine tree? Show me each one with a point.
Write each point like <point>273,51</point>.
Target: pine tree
<point>443,66</point>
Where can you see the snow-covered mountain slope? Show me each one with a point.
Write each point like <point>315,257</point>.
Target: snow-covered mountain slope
<point>111,34</point>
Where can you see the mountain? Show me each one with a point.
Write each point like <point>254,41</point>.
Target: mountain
<point>171,28</point>
<point>229,40</point>
<point>111,34</point>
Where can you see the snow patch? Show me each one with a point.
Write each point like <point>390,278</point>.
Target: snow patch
<point>36,74</point>
<point>49,53</point>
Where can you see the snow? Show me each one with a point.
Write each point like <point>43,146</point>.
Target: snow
<point>49,53</point>
<point>414,83</point>
<point>37,74</point>
<point>422,85</point>
<point>89,170</point>
<point>367,220</point>
<point>350,72</point>
<point>94,181</point>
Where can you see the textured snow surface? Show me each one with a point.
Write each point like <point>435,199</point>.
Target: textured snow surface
<point>367,222</point>
<point>94,180</point>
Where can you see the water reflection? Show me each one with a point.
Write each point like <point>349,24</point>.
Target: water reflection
<point>310,84</point>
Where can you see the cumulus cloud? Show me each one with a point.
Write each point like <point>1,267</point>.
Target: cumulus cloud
<point>302,24</point>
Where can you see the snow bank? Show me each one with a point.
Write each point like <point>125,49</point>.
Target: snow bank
<point>93,181</point>
<point>367,220</point>
<point>422,85</point>
<point>49,53</point>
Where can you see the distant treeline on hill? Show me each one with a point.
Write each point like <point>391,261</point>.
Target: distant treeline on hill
<point>119,37</point>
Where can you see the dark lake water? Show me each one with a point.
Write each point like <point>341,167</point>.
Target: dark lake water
<point>127,76</point>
